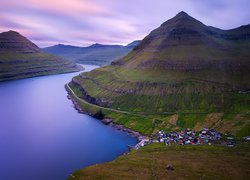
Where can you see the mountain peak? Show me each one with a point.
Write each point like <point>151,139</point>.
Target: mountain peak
<point>182,14</point>
<point>13,32</point>
<point>14,42</point>
<point>10,33</point>
<point>182,19</point>
<point>96,45</point>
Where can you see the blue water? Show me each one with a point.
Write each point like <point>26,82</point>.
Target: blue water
<point>42,137</point>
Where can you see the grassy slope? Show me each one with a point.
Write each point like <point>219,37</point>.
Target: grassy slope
<point>167,91</point>
<point>155,110</point>
<point>156,92</point>
<point>182,66</point>
<point>233,123</point>
<point>189,162</point>
<point>21,65</point>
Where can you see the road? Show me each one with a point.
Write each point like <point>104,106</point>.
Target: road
<point>110,109</point>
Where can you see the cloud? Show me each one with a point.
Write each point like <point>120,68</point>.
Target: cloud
<point>84,22</point>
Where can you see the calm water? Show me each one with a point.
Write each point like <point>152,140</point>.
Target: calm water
<point>42,137</point>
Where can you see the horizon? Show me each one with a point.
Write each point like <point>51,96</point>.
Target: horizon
<point>111,23</point>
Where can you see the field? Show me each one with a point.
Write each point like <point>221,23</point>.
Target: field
<point>189,162</point>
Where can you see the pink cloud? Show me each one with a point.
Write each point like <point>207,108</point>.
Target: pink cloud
<point>84,22</point>
<point>59,6</point>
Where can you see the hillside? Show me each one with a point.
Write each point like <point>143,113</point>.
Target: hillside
<point>96,54</point>
<point>183,67</point>
<point>189,162</point>
<point>20,58</point>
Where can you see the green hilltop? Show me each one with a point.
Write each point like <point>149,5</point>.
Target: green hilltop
<point>185,69</point>
<point>20,58</point>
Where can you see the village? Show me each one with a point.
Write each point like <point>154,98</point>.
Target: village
<point>189,137</point>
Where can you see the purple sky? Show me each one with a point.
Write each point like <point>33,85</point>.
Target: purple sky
<point>84,22</point>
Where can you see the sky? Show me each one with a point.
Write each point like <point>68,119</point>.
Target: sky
<point>85,22</point>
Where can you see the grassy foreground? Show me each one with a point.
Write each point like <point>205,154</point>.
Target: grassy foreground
<point>189,162</point>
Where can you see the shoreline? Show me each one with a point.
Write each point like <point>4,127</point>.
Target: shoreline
<point>16,78</point>
<point>107,121</point>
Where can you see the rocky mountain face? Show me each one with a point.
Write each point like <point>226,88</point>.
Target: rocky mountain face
<point>20,58</point>
<point>96,54</point>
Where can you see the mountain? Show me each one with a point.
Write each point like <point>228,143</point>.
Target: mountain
<point>183,66</point>
<point>96,54</point>
<point>185,43</point>
<point>12,41</point>
<point>134,43</point>
<point>20,58</point>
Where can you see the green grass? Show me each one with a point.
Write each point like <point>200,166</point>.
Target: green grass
<point>146,102</point>
<point>245,131</point>
<point>152,92</point>
<point>189,162</point>
<point>189,121</point>
<point>151,123</point>
<point>228,116</point>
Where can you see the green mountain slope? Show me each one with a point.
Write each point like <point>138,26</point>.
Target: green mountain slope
<point>183,66</point>
<point>20,58</point>
<point>96,54</point>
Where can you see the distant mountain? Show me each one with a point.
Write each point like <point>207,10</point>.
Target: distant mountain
<point>134,43</point>
<point>96,54</point>
<point>20,58</point>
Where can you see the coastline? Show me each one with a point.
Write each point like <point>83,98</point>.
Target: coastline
<point>15,78</point>
<point>108,122</point>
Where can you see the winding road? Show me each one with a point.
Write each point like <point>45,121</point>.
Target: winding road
<point>110,109</point>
